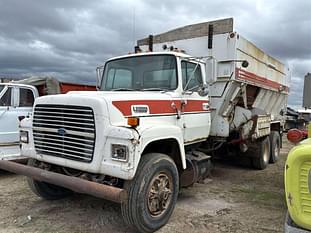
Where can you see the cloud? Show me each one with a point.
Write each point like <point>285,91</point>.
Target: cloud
<point>299,69</point>
<point>69,38</point>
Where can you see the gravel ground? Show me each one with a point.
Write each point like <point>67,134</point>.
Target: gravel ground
<point>235,199</point>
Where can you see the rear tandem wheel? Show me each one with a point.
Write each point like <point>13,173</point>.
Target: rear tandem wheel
<point>261,153</point>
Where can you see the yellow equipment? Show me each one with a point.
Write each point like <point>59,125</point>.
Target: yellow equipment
<point>298,184</point>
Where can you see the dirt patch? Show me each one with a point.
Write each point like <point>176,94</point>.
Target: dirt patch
<point>235,199</point>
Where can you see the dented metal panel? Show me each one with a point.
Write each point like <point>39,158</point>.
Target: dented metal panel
<point>262,127</point>
<point>263,69</point>
<point>270,102</point>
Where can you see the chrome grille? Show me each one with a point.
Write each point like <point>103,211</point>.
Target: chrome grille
<point>305,195</point>
<point>64,131</point>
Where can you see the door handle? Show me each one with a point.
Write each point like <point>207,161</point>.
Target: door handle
<point>173,105</point>
<point>205,106</point>
<point>179,111</point>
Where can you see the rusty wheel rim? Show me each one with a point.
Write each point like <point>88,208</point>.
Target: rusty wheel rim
<point>159,194</point>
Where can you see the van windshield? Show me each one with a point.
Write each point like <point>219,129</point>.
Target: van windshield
<point>5,98</point>
<point>141,73</point>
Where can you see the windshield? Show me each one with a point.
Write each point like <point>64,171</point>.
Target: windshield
<point>5,98</point>
<point>156,72</point>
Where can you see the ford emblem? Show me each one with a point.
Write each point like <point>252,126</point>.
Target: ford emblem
<point>61,131</point>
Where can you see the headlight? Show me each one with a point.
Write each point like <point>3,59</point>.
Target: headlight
<point>24,136</point>
<point>119,152</point>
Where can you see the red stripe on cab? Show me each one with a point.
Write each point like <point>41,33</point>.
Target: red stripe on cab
<point>161,106</point>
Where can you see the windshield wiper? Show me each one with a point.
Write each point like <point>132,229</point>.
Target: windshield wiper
<point>154,89</point>
<point>122,89</point>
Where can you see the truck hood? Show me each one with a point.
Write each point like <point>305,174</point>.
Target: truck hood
<point>122,104</point>
<point>124,95</point>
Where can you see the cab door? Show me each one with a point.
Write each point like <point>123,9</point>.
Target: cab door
<point>26,98</point>
<point>8,132</point>
<point>15,102</point>
<point>196,120</point>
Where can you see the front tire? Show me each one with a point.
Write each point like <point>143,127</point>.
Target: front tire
<point>152,194</point>
<point>45,190</point>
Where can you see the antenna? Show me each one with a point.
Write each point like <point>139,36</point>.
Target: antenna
<point>134,21</point>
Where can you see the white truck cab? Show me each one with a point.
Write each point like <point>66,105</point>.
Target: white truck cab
<point>160,92</point>
<point>16,101</point>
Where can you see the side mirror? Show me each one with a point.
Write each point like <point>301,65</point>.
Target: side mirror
<point>203,90</point>
<point>211,70</point>
<point>99,75</point>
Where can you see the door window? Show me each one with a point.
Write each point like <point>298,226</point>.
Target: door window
<point>26,98</point>
<point>191,74</point>
<point>6,98</point>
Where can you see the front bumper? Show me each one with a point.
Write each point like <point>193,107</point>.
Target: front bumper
<point>291,227</point>
<point>73,183</point>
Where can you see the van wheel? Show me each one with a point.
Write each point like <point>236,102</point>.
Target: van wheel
<point>275,146</point>
<point>45,190</point>
<point>152,194</point>
<point>261,154</point>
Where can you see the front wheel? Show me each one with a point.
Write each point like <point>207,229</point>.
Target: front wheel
<point>152,194</point>
<point>45,190</point>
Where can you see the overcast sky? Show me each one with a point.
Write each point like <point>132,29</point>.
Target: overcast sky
<point>69,38</point>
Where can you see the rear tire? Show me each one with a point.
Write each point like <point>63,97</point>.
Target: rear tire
<point>152,194</point>
<point>45,190</point>
<point>261,154</point>
<point>275,145</point>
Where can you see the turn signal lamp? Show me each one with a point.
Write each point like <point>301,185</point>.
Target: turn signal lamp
<point>133,121</point>
<point>296,135</point>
